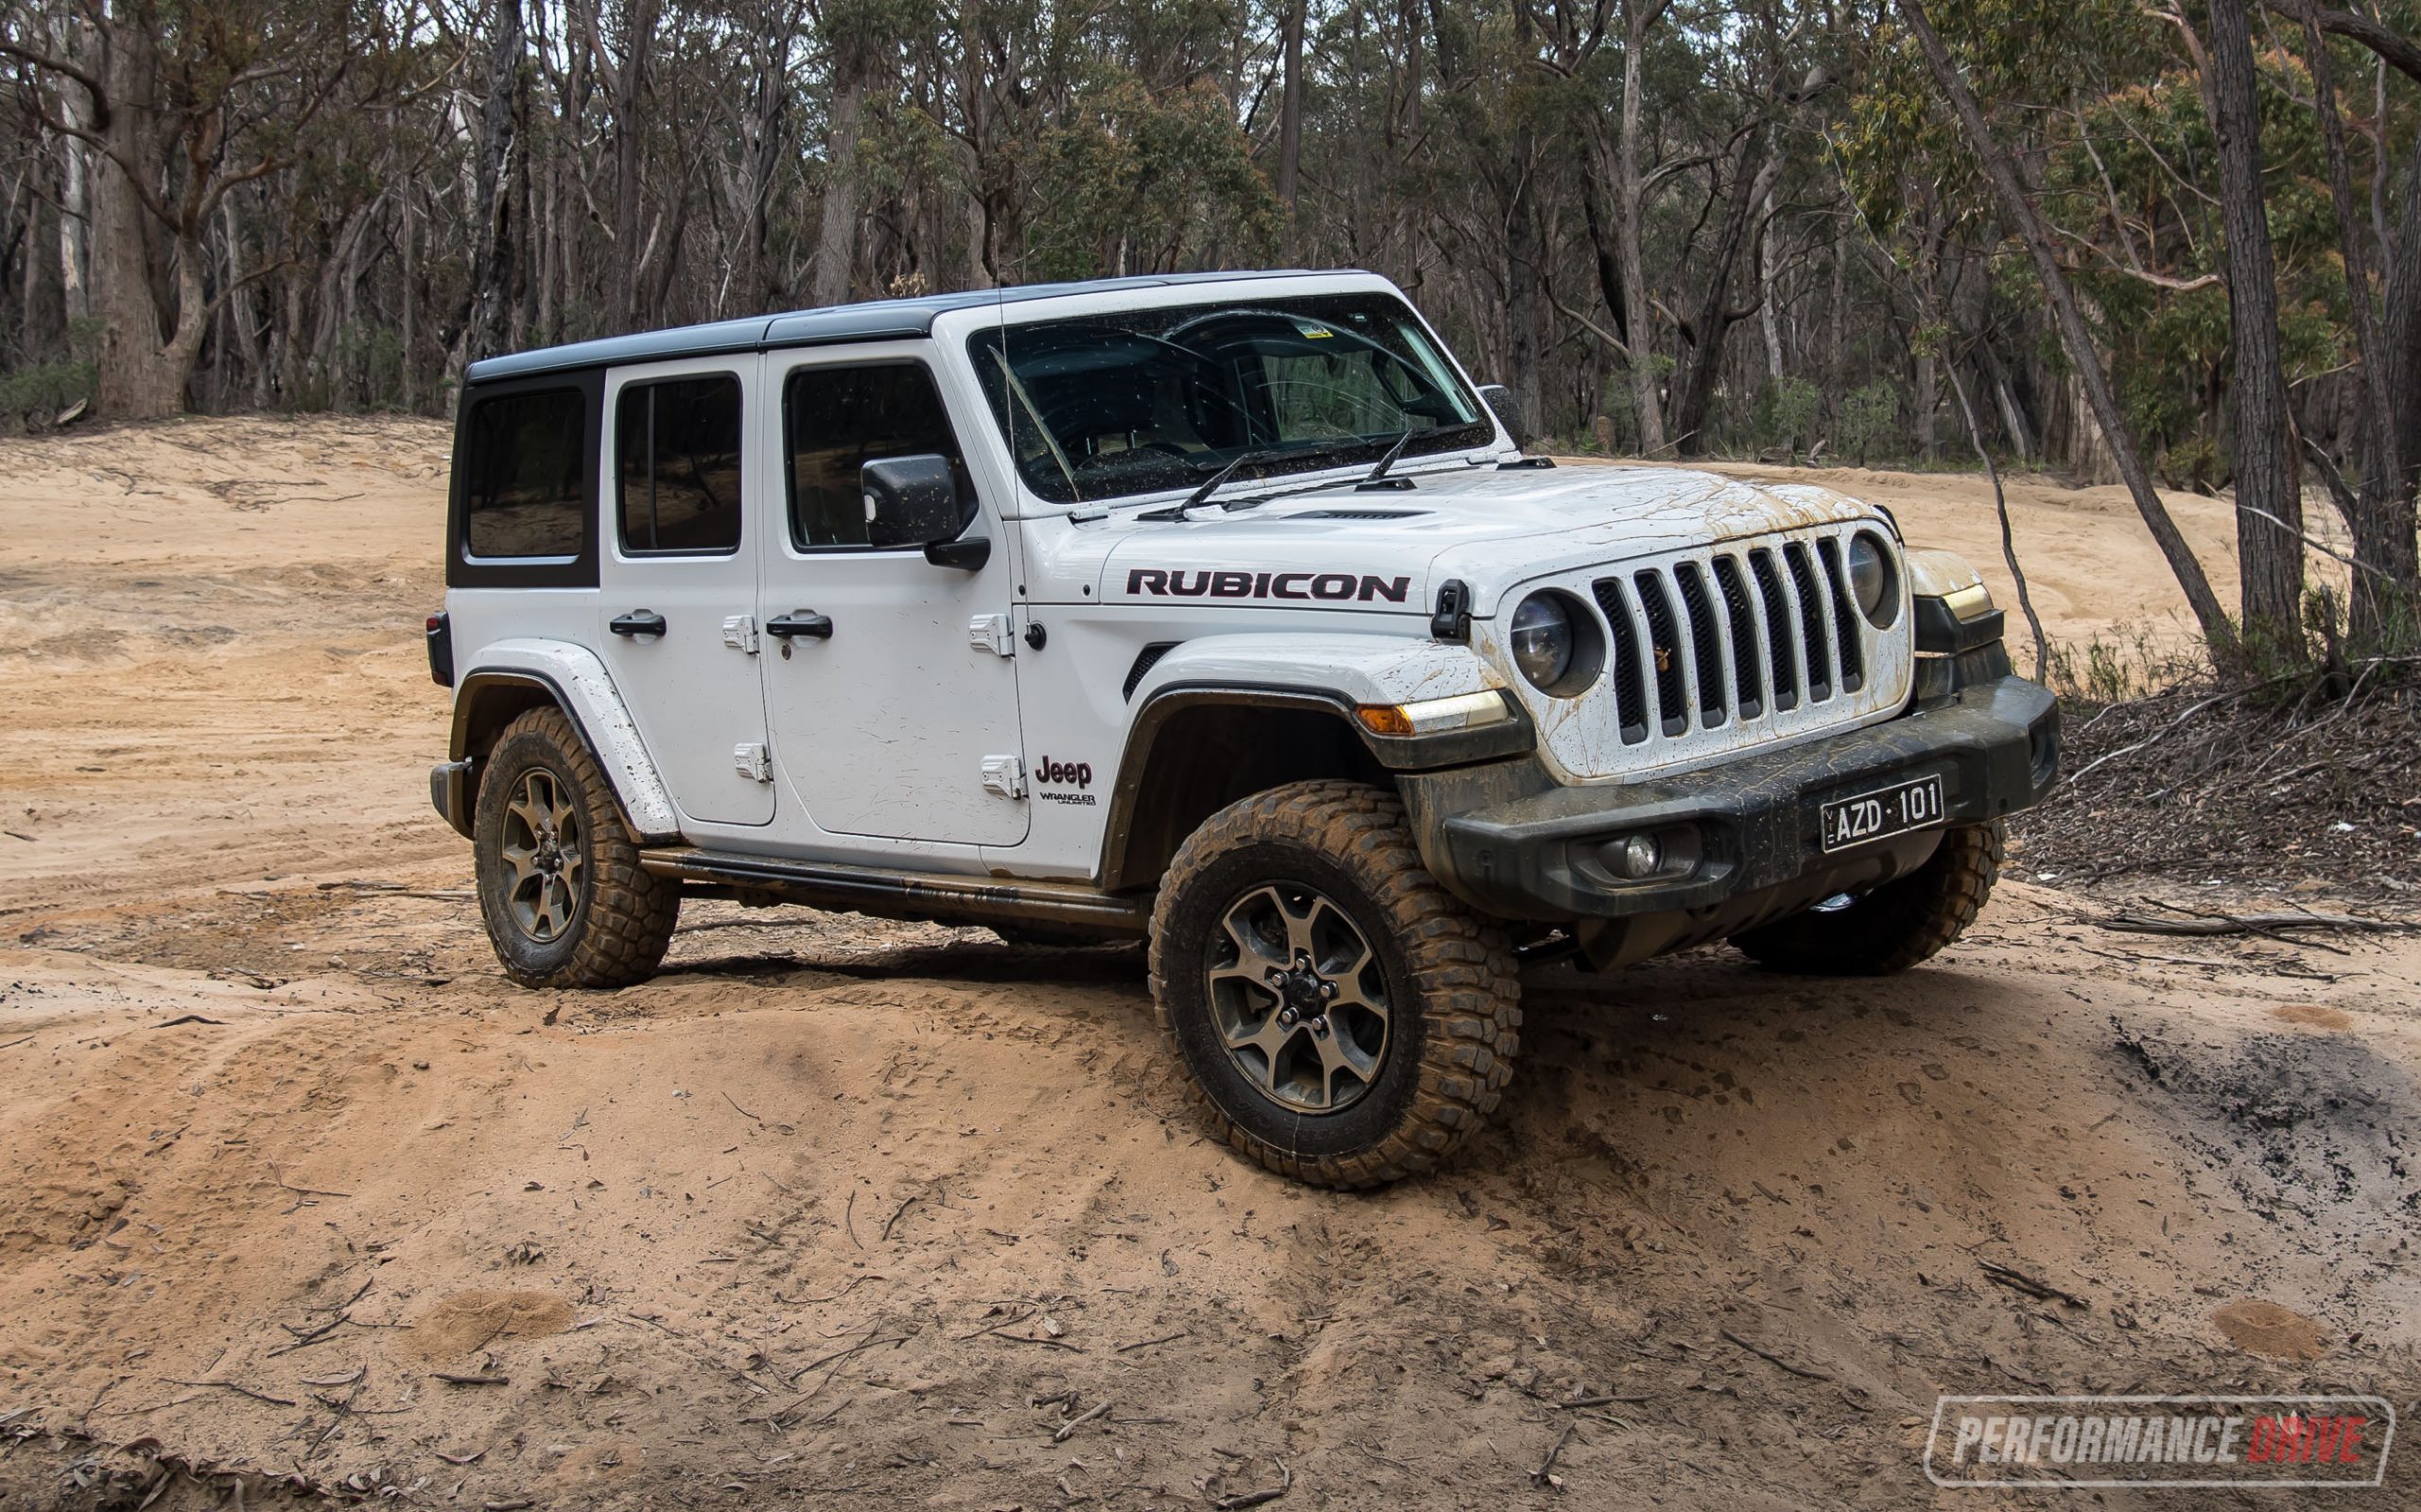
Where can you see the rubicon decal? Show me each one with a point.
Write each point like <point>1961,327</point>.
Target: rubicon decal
<point>1327,587</point>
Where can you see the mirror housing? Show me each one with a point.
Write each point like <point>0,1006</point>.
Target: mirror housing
<point>1508,410</point>
<point>911,501</point>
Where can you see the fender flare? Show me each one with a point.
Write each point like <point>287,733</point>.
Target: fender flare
<point>576,681</point>
<point>1327,675</point>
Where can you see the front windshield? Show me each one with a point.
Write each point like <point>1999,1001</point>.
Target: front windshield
<point>1109,407</point>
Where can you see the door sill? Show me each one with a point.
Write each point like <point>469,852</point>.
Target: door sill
<point>929,896</point>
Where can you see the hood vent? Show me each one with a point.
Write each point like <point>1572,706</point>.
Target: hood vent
<point>1357,515</point>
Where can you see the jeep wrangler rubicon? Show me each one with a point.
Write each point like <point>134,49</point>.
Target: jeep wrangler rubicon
<point>1221,611</point>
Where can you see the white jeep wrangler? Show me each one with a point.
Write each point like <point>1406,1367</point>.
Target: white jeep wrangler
<point>1219,610</point>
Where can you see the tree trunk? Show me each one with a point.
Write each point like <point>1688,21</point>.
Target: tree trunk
<point>1290,108</point>
<point>496,260</point>
<point>2383,533</point>
<point>136,380</point>
<point>1711,321</point>
<point>836,245</point>
<point>2381,599</point>
<point>1630,231</point>
<point>2084,359</point>
<point>2269,521</point>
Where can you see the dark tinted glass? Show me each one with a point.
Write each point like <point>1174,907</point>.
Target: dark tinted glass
<point>523,486</point>
<point>678,444</point>
<point>1138,402</point>
<point>840,419</point>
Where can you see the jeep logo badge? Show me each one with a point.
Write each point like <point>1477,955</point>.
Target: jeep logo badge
<point>1079,773</point>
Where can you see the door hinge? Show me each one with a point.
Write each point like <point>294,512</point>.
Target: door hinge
<point>991,632</point>
<point>1005,775</point>
<point>753,761</point>
<point>740,633</point>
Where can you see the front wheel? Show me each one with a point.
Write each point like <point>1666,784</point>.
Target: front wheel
<point>1899,925</point>
<point>566,901</point>
<point>1344,1019</point>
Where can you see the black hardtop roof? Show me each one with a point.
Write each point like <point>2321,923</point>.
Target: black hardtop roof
<point>878,321</point>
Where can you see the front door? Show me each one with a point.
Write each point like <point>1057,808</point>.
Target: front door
<point>885,715</point>
<point>678,584</point>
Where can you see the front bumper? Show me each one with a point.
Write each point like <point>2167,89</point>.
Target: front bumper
<point>1519,852</point>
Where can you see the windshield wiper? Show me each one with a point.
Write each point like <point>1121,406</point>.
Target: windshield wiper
<point>1385,462</point>
<point>1253,459</point>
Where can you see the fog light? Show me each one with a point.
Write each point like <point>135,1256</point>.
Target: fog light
<point>1633,858</point>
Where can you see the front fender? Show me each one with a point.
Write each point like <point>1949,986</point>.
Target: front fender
<point>1356,669</point>
<point>578,681</point>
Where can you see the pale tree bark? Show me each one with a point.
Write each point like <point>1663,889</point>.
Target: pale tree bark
<point>2083,357</point>
<point>836,243</point>
<point>1630,216</point>
<point>2268,520</point>
<point>1290,106</point>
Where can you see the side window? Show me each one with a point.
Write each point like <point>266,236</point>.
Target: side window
<point>524,476</point>
<point>677,460</point>
<point>836,421</point>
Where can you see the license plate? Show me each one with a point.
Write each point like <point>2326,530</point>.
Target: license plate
<point>1892,810</point>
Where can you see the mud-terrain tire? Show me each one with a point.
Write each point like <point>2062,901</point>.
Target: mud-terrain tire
<point>566,901</point>
<point>1899,925</point>
<point>1339,859</point>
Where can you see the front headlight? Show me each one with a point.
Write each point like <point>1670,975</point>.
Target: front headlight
<point>1872,581</point>
<point>1543,640</point>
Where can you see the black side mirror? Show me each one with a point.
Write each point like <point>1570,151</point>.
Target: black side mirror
<point>911,501</point>
<point>1508,410</point>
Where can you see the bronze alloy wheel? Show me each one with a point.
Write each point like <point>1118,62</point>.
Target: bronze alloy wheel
<point>1299,998</point>
<point>546,849</point>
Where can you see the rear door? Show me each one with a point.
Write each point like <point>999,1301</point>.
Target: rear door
<point>676,616</point>
<point>884,727</point>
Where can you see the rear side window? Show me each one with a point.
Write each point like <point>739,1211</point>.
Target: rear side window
<point>838,420</point>
<point>677,448</point>
<point>525,475</point>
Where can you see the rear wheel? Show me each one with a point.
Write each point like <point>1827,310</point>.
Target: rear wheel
<point>1344,1019</point>
<point>566,901</point>
<point>1899,925</point>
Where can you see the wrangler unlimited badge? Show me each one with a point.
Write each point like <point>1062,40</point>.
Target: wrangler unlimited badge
<point>1162,582</point>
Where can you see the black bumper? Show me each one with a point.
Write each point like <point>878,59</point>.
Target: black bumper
<point>1519,853</point>
<point>449,790</point>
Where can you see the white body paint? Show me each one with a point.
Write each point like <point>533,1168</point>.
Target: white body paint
<point>881,739</point>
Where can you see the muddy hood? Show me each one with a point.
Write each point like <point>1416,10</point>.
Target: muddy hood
<point>1492,528</point>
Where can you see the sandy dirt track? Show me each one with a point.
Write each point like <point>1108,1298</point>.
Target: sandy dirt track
<point>839,1213</point>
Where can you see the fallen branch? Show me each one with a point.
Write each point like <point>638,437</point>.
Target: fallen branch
<point>1245,1499</point>
<point>239,1390</point>
<point>1773,1359</point>
<point>1075,1423</point>
<point>1538,1476</point>
<point>2017,1280</point>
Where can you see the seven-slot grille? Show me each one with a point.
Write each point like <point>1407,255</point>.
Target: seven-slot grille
<point>1744,632</point>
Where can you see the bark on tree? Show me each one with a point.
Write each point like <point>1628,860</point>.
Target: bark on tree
<point>2382,600</point>
<point>2075,337</point>
<point>2268,520</point>
<point>497,262</point>
<point>1289,104</point>
<point>836,244</point>
<point>1630,214</point>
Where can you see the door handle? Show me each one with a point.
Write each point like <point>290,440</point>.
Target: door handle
<point>800,622</point>
<point>637,622</point>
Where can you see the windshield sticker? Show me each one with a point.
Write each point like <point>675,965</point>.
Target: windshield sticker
<point>1311,332</point>
<point>1332,587</point>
